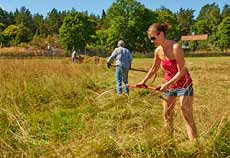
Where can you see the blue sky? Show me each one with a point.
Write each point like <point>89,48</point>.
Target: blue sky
<point>96,6</point>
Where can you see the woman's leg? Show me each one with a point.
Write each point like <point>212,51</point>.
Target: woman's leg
<point>168,113</point>
<point>186,108</point>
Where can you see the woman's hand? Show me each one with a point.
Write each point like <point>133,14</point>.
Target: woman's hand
<point>164,87</point>
<point>141,84</point>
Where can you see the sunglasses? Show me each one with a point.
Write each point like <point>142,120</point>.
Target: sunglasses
<point>153,38</point>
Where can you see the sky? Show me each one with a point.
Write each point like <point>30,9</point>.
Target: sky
<point>96,6</point>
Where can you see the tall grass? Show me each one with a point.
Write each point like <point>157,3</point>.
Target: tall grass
<point>18,52</point>
<point>53,108</point>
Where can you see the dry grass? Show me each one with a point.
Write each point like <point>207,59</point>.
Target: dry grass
<point>51,108</point>
<point>21,52</point>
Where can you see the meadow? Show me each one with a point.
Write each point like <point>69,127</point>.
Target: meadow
<point>53,108</point>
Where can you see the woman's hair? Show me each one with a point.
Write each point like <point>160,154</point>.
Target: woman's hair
<point>158,27</point>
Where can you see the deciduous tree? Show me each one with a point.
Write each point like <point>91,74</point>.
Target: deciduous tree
<point>77,31</point>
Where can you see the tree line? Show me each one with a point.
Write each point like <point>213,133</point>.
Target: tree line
<point>124,19</point>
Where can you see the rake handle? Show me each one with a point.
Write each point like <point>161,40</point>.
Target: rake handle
<point>133,69</point>
<point>145,87</point>
<point>150,88</point>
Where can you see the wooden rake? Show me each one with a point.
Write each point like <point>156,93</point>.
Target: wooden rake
<point>156,89</point>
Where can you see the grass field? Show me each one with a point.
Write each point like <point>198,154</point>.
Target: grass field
<point>53,108</point>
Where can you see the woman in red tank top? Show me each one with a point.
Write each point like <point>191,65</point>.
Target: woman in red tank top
<point>178,82</point>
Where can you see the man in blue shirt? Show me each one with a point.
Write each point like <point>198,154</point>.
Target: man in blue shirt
<point>123,59</point>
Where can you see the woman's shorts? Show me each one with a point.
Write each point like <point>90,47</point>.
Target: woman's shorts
<point>180,92</point>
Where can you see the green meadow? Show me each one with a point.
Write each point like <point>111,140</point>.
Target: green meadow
<point>53,108</point>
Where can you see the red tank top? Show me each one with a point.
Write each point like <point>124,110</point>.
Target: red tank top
<point>170,70</point>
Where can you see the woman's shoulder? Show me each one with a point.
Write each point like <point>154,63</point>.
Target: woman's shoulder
<point>157,50</point>
<point>177,50</point>
<point>175,45</point>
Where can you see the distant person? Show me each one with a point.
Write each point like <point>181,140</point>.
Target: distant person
<point>74,56</point>
<point>178,82</point>
<point>48,47</point>
<point>49,50</point>
<point>123,59</point>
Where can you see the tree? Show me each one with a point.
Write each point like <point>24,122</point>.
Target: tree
<point>2,37</point>
<point>202,27</point>
<point>206,23</point>
<point>2,27</point>
<point>223,34</point>
<point>16,34</point>
<point>185,19</point>
<point>226,11</point>
<point>102,23</point>
<point>22,34</point>
<point>103,14</point>
<point>54,21</point>
<point>129,20</point>
<point>23,17</point>
<point>77,31</point>
<point>3,16</point>
<point>9,33</point>
<point>62,17</point>
<point>209,14</point>
<point>40,25</point>
<point>10,19</point>
<point>164,15</point>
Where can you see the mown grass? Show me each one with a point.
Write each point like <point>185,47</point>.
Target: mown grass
<point>53,108</point>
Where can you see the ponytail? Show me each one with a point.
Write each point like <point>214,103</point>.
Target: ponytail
<point>159,27</point>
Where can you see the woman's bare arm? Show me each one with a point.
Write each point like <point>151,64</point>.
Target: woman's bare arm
<point>153,69</point>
